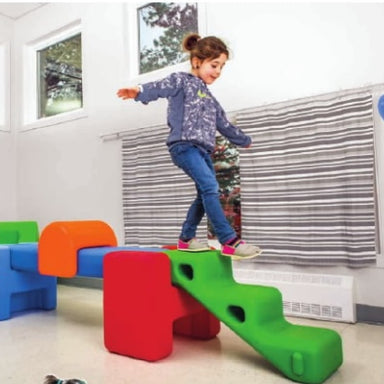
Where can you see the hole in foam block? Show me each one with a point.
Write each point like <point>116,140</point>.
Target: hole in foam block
<point>186,270</point>
<point>237,313</point>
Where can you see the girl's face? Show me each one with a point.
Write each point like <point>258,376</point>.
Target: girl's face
<point>210,69</point>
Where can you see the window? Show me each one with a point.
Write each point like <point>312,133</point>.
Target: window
<point>161,29</point>
<point>4,86</point>
<point>154,35</point>
<point>59,77</point>
<point>53,81</point>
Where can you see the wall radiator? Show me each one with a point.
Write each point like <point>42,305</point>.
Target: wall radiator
<point>316,296</point>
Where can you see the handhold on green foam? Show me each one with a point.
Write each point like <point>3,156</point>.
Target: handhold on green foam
<point>297,363</point>
<point>304,354</point>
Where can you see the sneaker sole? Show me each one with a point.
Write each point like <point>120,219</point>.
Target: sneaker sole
<point>194,250</point>
<point>236,257</point>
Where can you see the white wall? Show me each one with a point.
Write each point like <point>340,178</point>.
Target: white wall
<point>66,172</point>
<point>7,138</point>
<point>291,50</point>
<point>280,52</point>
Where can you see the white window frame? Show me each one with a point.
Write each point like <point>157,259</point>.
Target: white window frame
<point>4,86</point>
<point>132,53</point>
<point>30,84</point>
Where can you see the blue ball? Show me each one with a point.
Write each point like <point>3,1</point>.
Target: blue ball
<point>380,106</point>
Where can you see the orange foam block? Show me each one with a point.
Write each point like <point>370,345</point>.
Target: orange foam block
<point>61,240</point>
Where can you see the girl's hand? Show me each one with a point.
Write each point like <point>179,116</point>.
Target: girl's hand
<point>128,93</point>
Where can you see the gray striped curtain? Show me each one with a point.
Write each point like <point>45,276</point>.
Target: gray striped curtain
<point>156,194</point>
<point>307,183</point>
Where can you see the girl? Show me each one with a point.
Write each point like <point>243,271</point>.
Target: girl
<point>193,117</point>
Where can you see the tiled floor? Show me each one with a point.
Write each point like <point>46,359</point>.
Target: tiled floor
<point>69,343</point>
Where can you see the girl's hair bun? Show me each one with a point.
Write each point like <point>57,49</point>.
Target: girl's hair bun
<point>207,48</point>
<point>190,42</point>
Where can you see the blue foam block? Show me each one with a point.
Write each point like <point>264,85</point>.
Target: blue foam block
<point>90,260</point>
<point>24,257</point>
<point>23,289</point>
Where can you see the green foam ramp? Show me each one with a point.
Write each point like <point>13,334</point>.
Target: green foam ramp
<point>255,313</point>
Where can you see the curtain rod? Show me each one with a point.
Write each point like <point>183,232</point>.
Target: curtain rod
<point>112,136</point>
<point>120,134</point>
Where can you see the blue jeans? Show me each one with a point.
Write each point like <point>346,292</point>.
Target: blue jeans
<point>198,165</point>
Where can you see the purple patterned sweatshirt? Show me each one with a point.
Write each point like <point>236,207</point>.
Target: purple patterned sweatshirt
<point>193,113</point>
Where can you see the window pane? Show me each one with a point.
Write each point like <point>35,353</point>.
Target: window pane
<point>162,27</point>
<point>60,77</point>
<point>2,85</point>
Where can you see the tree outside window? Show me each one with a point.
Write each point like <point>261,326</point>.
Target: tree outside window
<point>60,77</point>
<point>226,161</point>
<point>162,27</point>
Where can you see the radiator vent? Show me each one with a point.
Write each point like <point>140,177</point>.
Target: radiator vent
<point>316,296</point>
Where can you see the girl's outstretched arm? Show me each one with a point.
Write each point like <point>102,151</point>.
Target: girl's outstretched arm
<point>169,86</point>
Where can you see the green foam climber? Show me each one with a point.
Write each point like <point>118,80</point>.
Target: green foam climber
<point>14,232</point>
<point>302,353</point>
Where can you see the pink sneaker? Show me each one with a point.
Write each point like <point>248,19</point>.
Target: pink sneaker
<point>240,250</point>
<point>192,245</point>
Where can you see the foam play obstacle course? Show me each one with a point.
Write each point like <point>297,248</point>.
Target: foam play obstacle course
<point>150,294</point>
<point>303,354</point>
